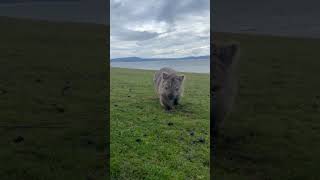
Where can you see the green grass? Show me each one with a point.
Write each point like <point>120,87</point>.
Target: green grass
<point>274,132</point>
<point>149,143</point>
<point>37,60</point>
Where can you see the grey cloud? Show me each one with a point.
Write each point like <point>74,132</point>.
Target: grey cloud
<point>171,9</point>
<point>159,28</point>
<point>129,35</point>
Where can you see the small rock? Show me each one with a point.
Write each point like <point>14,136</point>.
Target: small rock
<point>18,139</point>
<point>201,140</point>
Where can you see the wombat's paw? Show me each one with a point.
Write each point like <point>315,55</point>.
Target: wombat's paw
<point>168,109</point>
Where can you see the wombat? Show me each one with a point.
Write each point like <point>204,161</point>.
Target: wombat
<point>224,73</point>
<point>169,87</point>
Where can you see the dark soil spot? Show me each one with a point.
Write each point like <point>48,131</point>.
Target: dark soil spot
<point>65,90</point>
<point>38,81</point>
<point>3,91</point>
<point>251,134</point>
<point>206,163</point>
<point>138,140</point>
<point>191,133</point>
<point>170,124</point>
<point>60,109</point>
<point>189,159</point>
<point>18,139</point>
<point>90,142</point>
<point>201,140</point>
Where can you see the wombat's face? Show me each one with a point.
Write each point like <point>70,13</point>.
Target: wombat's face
<point>172,86</point>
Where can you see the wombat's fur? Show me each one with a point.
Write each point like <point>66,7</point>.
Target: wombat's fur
<point>168,86</point>
<point>225,62</point>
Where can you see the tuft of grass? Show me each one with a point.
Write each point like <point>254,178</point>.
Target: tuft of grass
<point>274,131</point>
<point>149,143</point>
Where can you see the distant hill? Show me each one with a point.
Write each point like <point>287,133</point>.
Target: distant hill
<point>137,59</point>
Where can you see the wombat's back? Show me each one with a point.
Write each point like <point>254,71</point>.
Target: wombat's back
<point>158,76</point>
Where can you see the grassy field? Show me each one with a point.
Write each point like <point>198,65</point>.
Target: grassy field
<point>274,132</point>
<point>53,120</point>
<point>53,88</point>
<point>148,142</point>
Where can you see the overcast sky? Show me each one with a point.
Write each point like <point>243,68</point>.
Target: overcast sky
<point>159,28</point>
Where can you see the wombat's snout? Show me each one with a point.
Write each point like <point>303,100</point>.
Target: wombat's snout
<point>171,96</point>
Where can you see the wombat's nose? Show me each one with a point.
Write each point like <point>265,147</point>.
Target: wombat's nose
<point>170,96</point>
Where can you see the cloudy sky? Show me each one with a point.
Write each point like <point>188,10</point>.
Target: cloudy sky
<point>159,28</point>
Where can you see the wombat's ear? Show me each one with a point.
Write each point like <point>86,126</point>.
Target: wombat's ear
<point>181,78</point>
<point>165,75</point>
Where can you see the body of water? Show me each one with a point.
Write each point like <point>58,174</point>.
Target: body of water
<point>194,66</point>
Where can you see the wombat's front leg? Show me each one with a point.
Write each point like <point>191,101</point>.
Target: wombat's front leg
<point>176,101</point>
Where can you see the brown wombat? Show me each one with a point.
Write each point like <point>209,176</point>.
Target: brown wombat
<point>168,86</point>
<point>225,63</point>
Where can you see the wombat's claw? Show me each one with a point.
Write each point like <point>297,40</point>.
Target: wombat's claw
<point>168,110</point>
